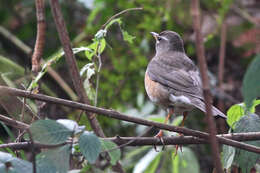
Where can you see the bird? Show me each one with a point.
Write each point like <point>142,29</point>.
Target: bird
<point>172,80</point>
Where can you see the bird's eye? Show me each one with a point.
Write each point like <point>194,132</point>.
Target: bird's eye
<point>159,38</point>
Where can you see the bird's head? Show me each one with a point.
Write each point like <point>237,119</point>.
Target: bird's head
<point>168,41</point>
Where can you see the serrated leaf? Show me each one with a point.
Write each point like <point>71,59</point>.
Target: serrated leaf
<point>54,160</point>
<point>49,132</point>
<point>185,161</point>
<point>228,155</point>
<point>115,154</point>
<point>16,164</point>
<point>234,114</point>
<point>246,160</point>
<point>90,146</point>
<point>251,82</point>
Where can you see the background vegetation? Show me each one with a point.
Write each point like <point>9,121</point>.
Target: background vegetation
<point>125,47</point>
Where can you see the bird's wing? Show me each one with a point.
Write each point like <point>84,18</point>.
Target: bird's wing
<point>181,79</point>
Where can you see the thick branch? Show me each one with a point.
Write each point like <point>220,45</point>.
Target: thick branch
<point>205,82</point>
<point>74,72</point>
<point>119,116</point>
<point>71,62</point>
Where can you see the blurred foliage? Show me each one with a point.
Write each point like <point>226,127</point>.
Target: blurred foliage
<point>126,48</point>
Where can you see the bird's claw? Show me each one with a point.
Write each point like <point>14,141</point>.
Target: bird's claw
<point>178,146</point>
<point>159,136</point>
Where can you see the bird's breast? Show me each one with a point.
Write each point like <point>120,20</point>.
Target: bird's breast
<point>156,92</point>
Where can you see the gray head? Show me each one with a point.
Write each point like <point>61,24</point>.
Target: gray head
<point>168,41</point>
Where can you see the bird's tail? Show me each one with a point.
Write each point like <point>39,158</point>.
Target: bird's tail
<point>215,111</point>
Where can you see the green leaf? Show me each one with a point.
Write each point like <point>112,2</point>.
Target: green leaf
<point>251,82</point>
<point>185,161</point>
<point>145,161</point>
<point>53,59</point>
<point>54,160</point>
<point>246,160</point>
<point>154,164</point>
<point>90,146</point>
<point>116,20</point>
<point>102,46</point>
<point>177,120</point>
<point>49,132</point>
<point>127,37</point>
<point>255,104</point>
<point>114,154</point>
<point>158,119</point>
<point>228,155</point>
<point>16,165</point>
<point>234,114</point>
<point>94,46</point>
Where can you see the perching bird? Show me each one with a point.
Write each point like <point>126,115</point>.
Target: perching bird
<point>172,80</point>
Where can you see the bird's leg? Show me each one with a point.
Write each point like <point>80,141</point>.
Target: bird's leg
<point>185,114</point>
<point>160,133</point>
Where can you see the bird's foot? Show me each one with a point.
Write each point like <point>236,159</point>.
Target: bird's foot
<point>159,135</point>
<point>177,147</point>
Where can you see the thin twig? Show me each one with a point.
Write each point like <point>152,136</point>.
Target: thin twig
<point>221,67</point>
<point>14,123</point>
<point>195,12</point>
<point>245,15</point>
<point>98,72</point>
<point>118,14</point>
<point>116,115</point>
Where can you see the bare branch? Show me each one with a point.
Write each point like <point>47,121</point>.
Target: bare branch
<point>40,40</point>
<point>116,115</point>
<point>74,72</point>
<point>144,141</point>
<point>118,14</point>
<point>205,83</point>
<point>14,123</point>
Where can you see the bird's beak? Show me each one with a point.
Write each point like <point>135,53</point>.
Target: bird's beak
<point>155,35</point>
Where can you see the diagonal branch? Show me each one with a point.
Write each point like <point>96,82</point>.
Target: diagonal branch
<point>116,115</point>
<point>73,69</point>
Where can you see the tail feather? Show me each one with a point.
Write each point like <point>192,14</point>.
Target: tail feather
<point>215,111</point>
